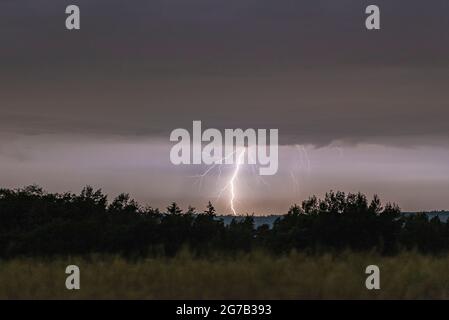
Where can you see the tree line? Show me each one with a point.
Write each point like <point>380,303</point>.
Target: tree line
<point>36,223</point>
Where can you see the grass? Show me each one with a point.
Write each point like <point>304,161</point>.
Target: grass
<point>253,276</point>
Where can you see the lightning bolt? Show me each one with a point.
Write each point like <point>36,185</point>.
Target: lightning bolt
<point>297,174</point>
<point>231,185</point>
<point>233,178</point>
<point>216,164</point>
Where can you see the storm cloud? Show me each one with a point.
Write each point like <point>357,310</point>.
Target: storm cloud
<point>308,68</point>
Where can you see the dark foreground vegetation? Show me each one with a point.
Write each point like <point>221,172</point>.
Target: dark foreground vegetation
<point>36,223</point>
<point>254,275</point>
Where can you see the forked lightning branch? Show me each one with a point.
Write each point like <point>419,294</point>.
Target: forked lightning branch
<point>235,147</point>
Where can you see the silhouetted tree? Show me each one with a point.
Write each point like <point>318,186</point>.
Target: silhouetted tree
<point>173,209</point>
<point>210,209</point>
<point>34,222</point>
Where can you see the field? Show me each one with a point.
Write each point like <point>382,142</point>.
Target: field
<point>251,276</point>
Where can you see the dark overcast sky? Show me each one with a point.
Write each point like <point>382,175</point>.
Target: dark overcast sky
<point>308,68</point>
<point>139,69</point>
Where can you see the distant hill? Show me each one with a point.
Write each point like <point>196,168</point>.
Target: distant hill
<point>442,215</point>
<point>269,220</point>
